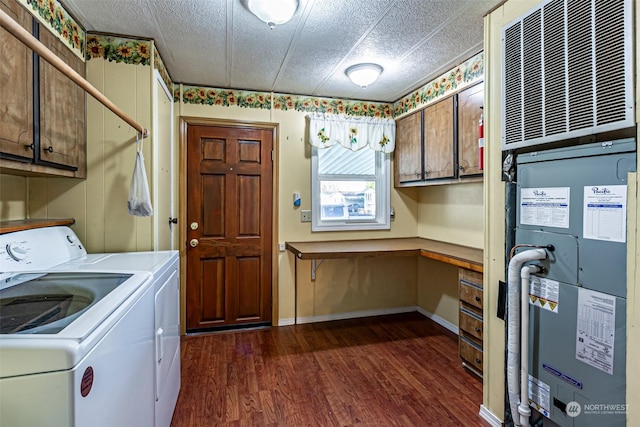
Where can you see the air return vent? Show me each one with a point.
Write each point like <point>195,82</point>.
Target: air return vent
<point>567,72</point>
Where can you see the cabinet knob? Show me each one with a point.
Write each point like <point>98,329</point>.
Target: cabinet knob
<point>49,149</point>
<point>478,361</point>
<point>461,168</point>
<point>478,330</point>
<point>478,299</point>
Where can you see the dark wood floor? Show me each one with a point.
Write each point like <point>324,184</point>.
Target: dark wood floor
<point>399,370</point>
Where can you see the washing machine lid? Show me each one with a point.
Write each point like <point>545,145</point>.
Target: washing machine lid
<point>149,261</point>
<point>50,320</point>
<point>46,303</point>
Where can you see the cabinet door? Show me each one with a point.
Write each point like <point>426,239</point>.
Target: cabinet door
<point>62,110</point>
<point>16,84</point>
<point>470,102</point>
<point>439,140</point>
<point>408,152</point>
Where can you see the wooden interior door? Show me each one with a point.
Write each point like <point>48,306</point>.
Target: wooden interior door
<point>229,226</point>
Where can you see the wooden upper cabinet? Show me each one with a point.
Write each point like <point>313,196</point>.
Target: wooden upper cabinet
<point>408,152</point>
<point>470,103</point>
<point>439,144</point>
<point>42,114</point>
<point>439,140</point>
<point>62,110</point>
<point>16,84</point>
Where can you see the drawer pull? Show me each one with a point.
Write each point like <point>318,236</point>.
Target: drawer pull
<point>478,330</point>
<point>478,361</point>
<point>478,299</point>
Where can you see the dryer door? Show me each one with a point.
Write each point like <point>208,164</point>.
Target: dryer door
<point>167,356</point>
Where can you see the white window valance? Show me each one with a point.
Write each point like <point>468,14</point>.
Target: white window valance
<point>352,133</point>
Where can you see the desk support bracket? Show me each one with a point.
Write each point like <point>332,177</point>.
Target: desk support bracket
<point>314,267</point>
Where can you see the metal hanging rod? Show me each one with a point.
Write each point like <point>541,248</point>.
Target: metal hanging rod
<point>34,44</point>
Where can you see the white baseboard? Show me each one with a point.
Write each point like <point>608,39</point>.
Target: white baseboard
<point>343,316</point>
<point>367,313</point>
<point>439,320</point>
<point>490,417</point>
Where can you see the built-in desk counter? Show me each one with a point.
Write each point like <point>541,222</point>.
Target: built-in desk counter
<point>468,260</point>
<point>461,256</point>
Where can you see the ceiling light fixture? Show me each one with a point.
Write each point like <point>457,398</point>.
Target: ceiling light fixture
<point>363,74</point>
<point>273,12</point>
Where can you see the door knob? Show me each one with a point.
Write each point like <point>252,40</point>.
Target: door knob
<point>193,243</point>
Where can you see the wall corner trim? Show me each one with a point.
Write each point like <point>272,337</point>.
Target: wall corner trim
<point>439,320</point>
<point>489,417</point>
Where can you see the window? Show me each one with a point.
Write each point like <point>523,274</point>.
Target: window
<point>350,189</point>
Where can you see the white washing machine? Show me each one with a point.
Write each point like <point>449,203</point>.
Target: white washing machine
<point>86,339</point>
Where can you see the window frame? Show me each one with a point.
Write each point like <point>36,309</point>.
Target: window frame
<point>382,221</point>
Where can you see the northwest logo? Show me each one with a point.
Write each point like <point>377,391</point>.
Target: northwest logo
<point>573,409</point>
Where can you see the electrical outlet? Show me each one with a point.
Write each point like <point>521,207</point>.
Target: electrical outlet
<point>305,216</point>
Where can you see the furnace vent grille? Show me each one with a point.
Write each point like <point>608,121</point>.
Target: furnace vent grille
<point>567,72</point>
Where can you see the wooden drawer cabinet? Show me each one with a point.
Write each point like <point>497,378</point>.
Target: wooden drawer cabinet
<point>471,354</point>
<point>470,293</point>
<point>470,320</point>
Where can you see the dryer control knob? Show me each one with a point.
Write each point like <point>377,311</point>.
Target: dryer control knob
<point>16,251</point>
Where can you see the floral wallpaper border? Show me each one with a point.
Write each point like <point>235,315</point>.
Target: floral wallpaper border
<point>127,50</point>
<point>200,95</point>
<point>458,77</point>
<point>118,49</point>
<point>225,97</point>
<point>53,15</point>
<point>162,69</point>
<point>312,104</point>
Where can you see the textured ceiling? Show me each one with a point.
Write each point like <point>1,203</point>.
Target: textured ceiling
<point>219,43</point>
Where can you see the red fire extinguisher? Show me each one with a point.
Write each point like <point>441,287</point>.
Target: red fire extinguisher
<point>481,141</point>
